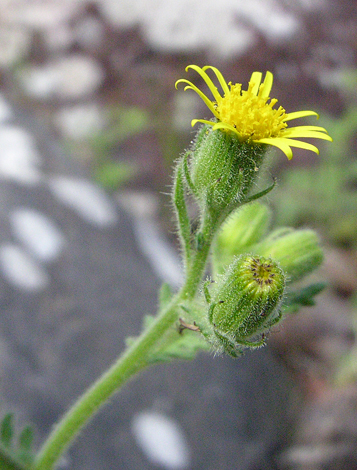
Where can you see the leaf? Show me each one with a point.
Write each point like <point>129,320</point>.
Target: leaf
<point>6,430</point>
<point>147,321</point>
<point>15,454</point>
<point>304,297</point>
<point>112,175</point>
<point>165,295</point>
<point>185,347</point>
<point>26,438</point>
<point>174,343</point>
<point>8,461</point>
<point>25,441</point>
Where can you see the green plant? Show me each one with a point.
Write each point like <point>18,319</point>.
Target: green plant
<point>253,274</point>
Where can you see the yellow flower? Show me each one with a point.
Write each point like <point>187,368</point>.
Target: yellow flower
<point>251,115</point>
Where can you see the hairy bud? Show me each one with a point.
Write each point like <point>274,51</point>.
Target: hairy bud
<point>298,251</point>
<point>222,168</point>
<point>246,303</point>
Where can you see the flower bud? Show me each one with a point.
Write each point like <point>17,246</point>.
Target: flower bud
<point>222,168</point>
<point>297,251</point>
<point>246,303</point>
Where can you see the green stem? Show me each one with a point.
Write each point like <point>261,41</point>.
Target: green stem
<point>131,362</point>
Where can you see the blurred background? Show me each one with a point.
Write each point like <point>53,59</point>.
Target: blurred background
<point>90,125</point>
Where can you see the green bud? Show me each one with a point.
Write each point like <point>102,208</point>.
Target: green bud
<point>222,168</point>
<point>244,228</point>
<point>297,251</point>
<point>246,303</point>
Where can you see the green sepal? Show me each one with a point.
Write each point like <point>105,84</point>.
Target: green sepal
<point>304,297</point>
<point>187,175</point>
<point>260,194</point>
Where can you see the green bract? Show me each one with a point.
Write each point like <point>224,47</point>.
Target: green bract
<point>222,169</point>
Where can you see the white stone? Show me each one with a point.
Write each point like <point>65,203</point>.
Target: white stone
<point>162,440</point>
<point>78,122</point>
<point>19,157</point>
<point>309,5</point>
<point>222,27</point>
<point>164,260</point>
<point>87,199</point>
<point>38,233</point>
<point>71,77</point>
<point>38,14</point>
<point>21,270</point>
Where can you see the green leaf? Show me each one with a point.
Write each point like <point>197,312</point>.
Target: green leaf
<point>15,454</point>
<point>9,461</point>
<point>25,441</point>
<point>165,295</point>
<point>304,297</point>
<point>113,174</point>
<point>185,347</point>
<point>6,429</point>
<point>176,343</point>
<point>147,321</point>
<point>26,438</point>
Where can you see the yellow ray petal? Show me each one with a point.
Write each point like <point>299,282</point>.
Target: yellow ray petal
<point>308,128</point>
<point>299,114</point>
<point>207,79</point>
<point>281,144</point>
<point>267,85</point>
<point>308,134</point>
<point>220,77</point>
<point>256,78</point>
<point>203,121</point>
<point>225,126</point>
<point>301,145</point>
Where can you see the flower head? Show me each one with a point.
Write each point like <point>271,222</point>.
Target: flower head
<point>251,115</point>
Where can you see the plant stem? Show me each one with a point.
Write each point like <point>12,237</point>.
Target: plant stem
<point>133,360</point>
